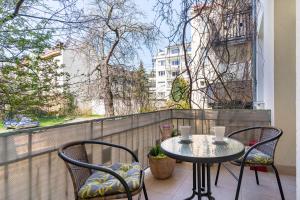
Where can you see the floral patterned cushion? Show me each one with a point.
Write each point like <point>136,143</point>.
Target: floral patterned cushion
<point>101,184</point>
<point>256,157</point>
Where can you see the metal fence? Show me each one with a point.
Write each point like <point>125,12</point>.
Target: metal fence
<point>237,26</point>
<point>31,169</point>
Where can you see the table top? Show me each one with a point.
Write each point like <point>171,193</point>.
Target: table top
<point>202,148</point>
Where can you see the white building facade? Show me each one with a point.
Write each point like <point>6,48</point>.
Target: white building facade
<point>276,74</point>
<point>221,52</point>
<point>169,64</point>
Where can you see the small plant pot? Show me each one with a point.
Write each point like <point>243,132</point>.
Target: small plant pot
<point>161,167</point>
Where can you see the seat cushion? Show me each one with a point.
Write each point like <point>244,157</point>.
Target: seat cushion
<point>101,184</point>
<point>256,157</point>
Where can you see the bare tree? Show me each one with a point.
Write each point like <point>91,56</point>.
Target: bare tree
<point>113,41</point>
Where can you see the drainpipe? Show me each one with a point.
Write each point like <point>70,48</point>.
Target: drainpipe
<point>254,39</point>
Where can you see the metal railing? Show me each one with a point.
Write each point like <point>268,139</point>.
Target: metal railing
<point>30,168</point>
<point>236,27</point>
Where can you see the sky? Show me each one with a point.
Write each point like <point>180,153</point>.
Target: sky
<point>146,7</point>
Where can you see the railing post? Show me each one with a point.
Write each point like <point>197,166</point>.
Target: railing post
<point>6,188</point>
<point>30,164</point>
<point>49,175</point>
<point>67,185</point>
<point>92,129</point>
<point>195,119</point>
<point>91,138</point>
<point>159,116</point>
<point>132,133</point>
<point>202,120</point>
<point>101,136</point>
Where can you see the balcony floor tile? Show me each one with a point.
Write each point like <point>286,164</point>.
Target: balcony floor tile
<point>180,184</point>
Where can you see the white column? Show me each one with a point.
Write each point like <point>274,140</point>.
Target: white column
<point>268,54</point>
<point>298,97</point>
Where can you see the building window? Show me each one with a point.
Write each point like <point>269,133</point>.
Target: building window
<point>175,73</point>
<point>162,62</point>
<point>174,51</point>
<point>161,95</point>
<point>161,84</point>
<point>161,73</point>
<point>175,62</point>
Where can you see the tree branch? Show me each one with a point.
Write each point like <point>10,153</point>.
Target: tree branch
<point>14,14</point>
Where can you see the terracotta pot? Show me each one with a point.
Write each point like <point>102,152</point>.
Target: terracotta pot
<point>161,168</point>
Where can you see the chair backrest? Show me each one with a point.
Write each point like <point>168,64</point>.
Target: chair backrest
<point>272,135</point>
<point>76,151</point>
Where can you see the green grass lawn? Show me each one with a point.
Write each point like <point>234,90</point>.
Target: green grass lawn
<point>50,121</point>
<point>1,127</point>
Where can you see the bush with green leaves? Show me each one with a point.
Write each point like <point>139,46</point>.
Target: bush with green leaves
<point>32,86</point>
<point>179,96</point>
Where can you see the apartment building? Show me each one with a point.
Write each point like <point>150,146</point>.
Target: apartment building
<point>168,64</point>
<point>152,84</point>
<point>222,50</point>
<point>84,84</point>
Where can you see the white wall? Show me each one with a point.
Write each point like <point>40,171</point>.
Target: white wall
<point>285,81</point>
<point>279,74</point>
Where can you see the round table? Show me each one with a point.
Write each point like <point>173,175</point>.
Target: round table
<point>202,150</point>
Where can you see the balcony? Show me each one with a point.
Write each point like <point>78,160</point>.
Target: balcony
<point>236,28</point>
<point>179,185</point>
<point>31,169</point>
<point>239,91</point>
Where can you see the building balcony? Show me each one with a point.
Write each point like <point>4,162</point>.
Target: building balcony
<point>236,94</point>
<point>30,168</point>
<point>237,28</point>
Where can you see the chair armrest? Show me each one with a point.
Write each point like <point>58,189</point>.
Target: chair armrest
<point>98,168</point>
<point>106,144</point>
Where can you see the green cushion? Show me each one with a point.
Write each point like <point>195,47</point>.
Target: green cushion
<point>101,184</point>
<point>256,157</point>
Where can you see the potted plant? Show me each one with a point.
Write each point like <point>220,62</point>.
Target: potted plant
<point>161,166</point>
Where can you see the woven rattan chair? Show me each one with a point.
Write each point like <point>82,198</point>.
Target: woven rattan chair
<point>75,156</point>
<point>260,154</point>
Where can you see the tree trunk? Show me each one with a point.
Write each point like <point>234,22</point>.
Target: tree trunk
<point>108,102</point>
<point>107,93</point>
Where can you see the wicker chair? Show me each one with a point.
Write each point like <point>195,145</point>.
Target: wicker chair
<point>76,159</point>
<point>260,154</point>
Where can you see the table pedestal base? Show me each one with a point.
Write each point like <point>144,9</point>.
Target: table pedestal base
<point>201,181</point>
